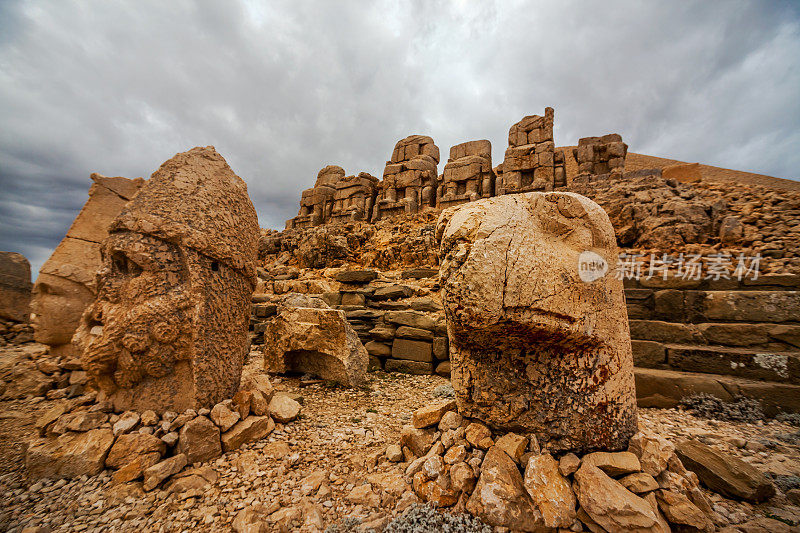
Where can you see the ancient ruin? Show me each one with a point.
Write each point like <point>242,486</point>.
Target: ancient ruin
<point>533,347</point>
<point>336,198</point>
<point>168,330</point>
<point>530,161</point>
<point>307,336</point>
<point>410,178</point>
<point>519,412</point>
<point>66,283</point>
<point>468,174</point>
<point>601,155</point>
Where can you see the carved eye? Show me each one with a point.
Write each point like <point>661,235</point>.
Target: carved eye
<point>125,264</point>
<point>214,266</point>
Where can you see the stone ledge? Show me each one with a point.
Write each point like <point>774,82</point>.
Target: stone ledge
<point>665,388</point>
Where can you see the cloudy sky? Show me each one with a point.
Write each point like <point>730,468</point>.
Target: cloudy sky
<point>283,88</point>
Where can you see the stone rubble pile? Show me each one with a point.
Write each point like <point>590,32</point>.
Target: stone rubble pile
<point>508,480</point>
<point>82,436</point>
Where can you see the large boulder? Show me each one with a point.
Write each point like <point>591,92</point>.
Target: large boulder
<point>15,287</point>
<point>168,330</point>
<point>536,319</point>
<point>305,336</point>
<point>500,498</point>
<point>724,473</point>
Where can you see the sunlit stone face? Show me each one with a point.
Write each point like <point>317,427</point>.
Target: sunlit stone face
<point>139,326</point>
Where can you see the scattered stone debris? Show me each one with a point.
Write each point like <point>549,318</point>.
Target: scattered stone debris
<point>741,409</point>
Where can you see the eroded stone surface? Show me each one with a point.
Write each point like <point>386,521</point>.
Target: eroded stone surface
<point>168,330</point>
<point>66,283</point>
<point>533,348</point>
<point>500,499</point>
<point>15,287</point>
<point>314,340</point>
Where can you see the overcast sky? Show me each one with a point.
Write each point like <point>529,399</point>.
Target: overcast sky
<point>283,88</point>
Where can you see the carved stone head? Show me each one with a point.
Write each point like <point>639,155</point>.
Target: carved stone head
<point>168,330</point>
<point>533,347</point>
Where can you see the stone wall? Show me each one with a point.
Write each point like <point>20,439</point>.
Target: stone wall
<point>748,330</point>
<point>401,325</point>
<point>723,337</point>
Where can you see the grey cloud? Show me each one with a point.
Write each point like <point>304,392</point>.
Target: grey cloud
<point>284,88</point>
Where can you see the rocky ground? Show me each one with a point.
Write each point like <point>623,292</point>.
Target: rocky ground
<point>329,466</point>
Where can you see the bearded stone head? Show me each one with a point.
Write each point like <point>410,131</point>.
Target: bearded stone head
<point>168,329</point>
<point>535,345</point>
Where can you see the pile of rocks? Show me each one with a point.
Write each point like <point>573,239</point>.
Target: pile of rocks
<point>30,370</point>
<point>13,332</point>
<point>83,435</point>
<point>507,480</point>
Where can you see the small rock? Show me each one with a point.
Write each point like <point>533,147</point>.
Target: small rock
<point>653,452</point>
<point>250,429</point>
<point>569,464</point>
<point>514,445</point>
<point>223,417</point>
<point>127,421</point>
<point>149,418</point>
<point>283,409</point>
<point>431,414</point>
<point>394,453</point>
<point>639,482</point>
<point>157,473</point>
<point>613,463</point>
<point>479,435</point>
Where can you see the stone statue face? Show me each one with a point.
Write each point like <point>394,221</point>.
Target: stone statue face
<point>541,237</point>
<point>534,347</point>
<point>57,306</point>
<point>139,326</point>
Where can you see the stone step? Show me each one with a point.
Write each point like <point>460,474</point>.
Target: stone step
<point>741,362</point>
<point>665,388</point>
<point>763,337</point>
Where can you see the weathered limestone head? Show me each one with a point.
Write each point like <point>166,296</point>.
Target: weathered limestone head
<point>533,347</point>
<point>66,283</point>
<point>168,330</point>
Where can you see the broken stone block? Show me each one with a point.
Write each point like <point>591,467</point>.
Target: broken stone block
<point>500,498</point>
<point>223,417</point>
<point>250,429</point>
<point>128,447</point>
<point>610,505</point>
<point>70,455</point>
<point>15,287</point>
<point>283,409</point>
<point>431,414</point>
<point>550,491</point>
<point>613,464</point>
<point>66,283</point>
<point>724,473</point>
<point>534,320</point>
<point>316,341</point>
<point>157,473</point>
<point>169,327</point>
<point>199,440</point>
